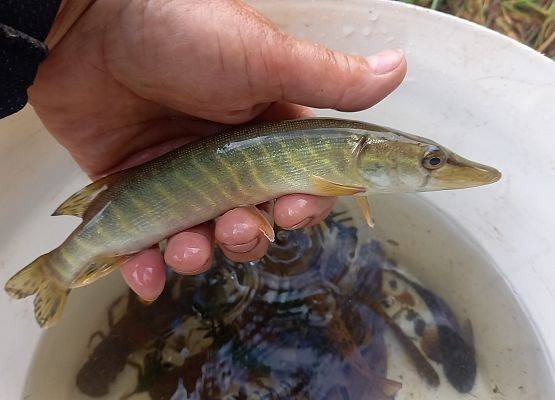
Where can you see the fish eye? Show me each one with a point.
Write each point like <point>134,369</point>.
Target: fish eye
<point>434,158</point>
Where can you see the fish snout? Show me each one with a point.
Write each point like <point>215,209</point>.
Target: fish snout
<point>460,173</point>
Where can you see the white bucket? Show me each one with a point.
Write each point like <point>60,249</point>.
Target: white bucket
<point>485,96</point>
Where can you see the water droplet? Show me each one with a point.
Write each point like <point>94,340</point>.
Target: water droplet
<point>325,18</point>
<point>373,17</point>
<point>389,39</point>
<point>367,31</point>
<point>348,30</point>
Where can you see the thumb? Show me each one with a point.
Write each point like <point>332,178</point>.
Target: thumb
<point>225,62</point>
<point>307,73</point>
<point>313,75</point>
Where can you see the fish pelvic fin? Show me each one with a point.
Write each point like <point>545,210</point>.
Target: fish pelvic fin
<point>78,203</point>
<point>364,206</point>
<point>99,269</point>
<point>326,187</point>
<point>50,297</point>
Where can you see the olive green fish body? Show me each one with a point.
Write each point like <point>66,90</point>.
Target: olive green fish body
<point>136,208</point>
<point>197,183</point>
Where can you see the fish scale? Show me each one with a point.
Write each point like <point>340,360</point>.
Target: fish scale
<point>135,209</point>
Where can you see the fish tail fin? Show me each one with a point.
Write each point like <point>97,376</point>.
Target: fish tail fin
<point>50,297</point>
<point>27,281</point>
<point>49,303</point>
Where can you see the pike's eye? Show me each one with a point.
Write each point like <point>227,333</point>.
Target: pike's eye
<point>434,158</point>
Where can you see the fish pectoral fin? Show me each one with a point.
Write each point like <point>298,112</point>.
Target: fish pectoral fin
<point>79,202</point>
<point>326,187</point>
<point>364,206</point>
<point>99,269</point>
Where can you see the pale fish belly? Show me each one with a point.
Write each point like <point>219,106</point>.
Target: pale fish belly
<point>113,234</point>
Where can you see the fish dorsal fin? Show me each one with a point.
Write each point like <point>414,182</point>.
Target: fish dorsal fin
<point>79,202</point>
<point>326,187</point>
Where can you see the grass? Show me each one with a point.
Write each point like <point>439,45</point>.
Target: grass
<point>531,22</point>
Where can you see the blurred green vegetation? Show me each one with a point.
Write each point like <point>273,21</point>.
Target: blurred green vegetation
<point>531,22</point>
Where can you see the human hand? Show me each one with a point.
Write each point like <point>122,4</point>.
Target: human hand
<point>133,79</point>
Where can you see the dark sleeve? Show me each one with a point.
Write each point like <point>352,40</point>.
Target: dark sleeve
<point>24,25</point>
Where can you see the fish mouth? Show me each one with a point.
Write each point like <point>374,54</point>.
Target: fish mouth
<point>487,174</point>
<point>460,173</point>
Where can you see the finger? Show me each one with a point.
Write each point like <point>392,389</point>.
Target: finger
<point>281,110</point>
<point>241,234</point>
<point>282,67</point>
<point>268,208</point>
<point>299,210</point>
<point>233,77</point>
<point>141,143</point>
<point>190,252</point>
<point>286,68</point>
<point>256,253</point>
<point>315,76</point>
<point>145,274</point>
<point>68,14</point>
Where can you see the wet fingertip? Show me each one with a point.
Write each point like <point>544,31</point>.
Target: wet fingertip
<point>242,225</point>
<point>241,248</point>
<point>188,251</point>
<point>321,216</point>
<point>256,253</point>
<point>305,222</point>
<point>200,270</point>
<point>145,274</point>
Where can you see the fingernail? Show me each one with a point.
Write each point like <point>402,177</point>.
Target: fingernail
<point>243,247</point>
<point>301,224</point>
<point>203,268</point>
<point>385,61</point>
<point>145,301</point>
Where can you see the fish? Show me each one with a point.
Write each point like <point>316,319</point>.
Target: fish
<point>134,209</point>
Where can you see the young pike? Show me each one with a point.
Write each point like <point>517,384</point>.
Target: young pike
<point>134,209</point>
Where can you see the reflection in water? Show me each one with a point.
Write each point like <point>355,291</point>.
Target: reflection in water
<point>305,322</point>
